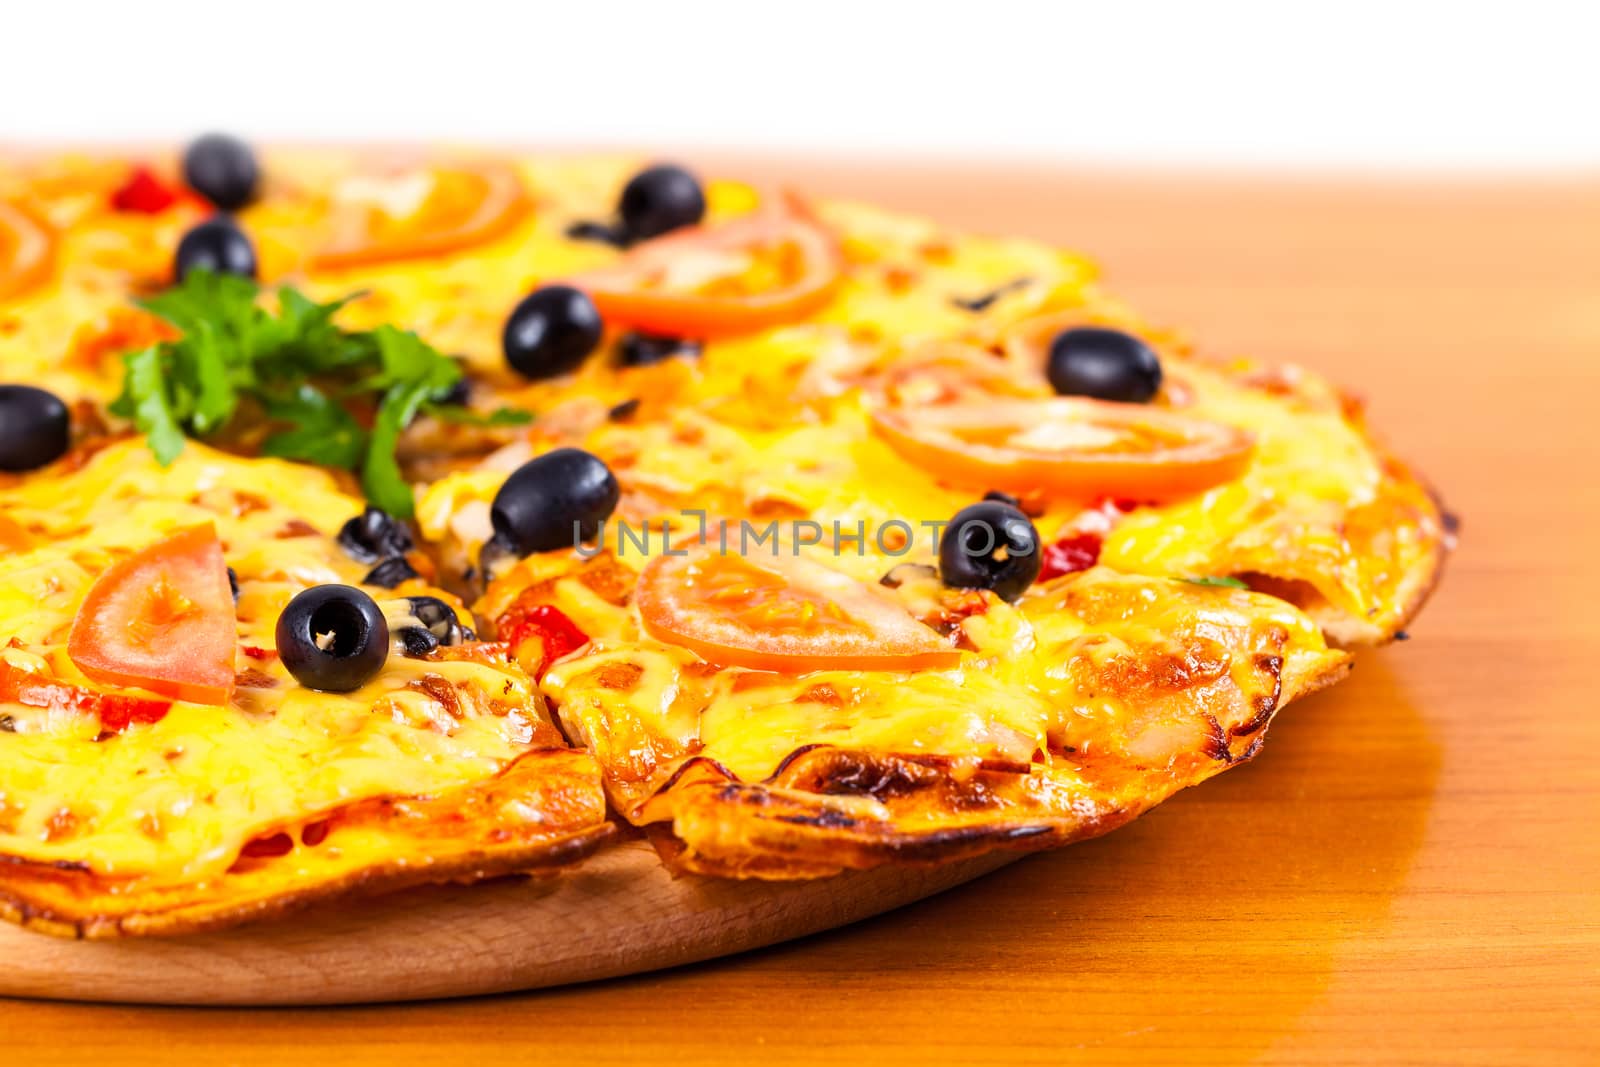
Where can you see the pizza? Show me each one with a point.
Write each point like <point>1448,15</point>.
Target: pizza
<point>374,520</point>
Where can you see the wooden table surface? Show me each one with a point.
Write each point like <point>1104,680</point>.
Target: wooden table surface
<point>1409,873</point>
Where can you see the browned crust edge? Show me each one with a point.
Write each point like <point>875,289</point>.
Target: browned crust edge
<point>798,835</point>
<point>379,878</point>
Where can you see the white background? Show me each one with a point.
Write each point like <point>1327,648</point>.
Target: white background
<point>1354,85</point>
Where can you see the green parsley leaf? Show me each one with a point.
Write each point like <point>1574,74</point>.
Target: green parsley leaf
<point>1226,583</point>
<point>385,486</point>
<point>460,416</point>
<point>145,400</point>
<point>297,368</point>
<point>320,430</point>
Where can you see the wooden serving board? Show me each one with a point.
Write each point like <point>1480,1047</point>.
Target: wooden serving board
<point>619,913</point>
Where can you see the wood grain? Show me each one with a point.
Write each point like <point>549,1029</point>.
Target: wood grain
<point>1408,874</point>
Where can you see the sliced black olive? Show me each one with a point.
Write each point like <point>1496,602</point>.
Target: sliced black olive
<point>1003,498</point>
<point>1104,364</point>
<point>643,349</point>
<point>222,169</point>
<point>390,573</point>
<point>439,619</point>
<point>333,638</point>
<point>216,245</point>
<point>373,535</point>
<point>417,642</point>
<point>984,302</point>
<point>233,583</point>
<point>605,233</point>
<point>902,573</point>
<point>990,545</point>
<point>423,623</point>
<point>551,332</point>
<point>35,428</point>
<point>554,501</point>
<point>624,411</point>
<point>660,199</point>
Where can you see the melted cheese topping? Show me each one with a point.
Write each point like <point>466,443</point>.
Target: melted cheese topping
<point>178,799</point>
<point>1060,670</point>
<point>769,426</point>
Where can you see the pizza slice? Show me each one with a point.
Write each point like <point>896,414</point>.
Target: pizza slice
<point>177,756</point>
<point>769,716</point>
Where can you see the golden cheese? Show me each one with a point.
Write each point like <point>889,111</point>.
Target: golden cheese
<point>178,799</point>
<point>1091,698</point>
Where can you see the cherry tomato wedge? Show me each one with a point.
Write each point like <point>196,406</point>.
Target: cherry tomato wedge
<point>26,249</point>
<point>422,213</point>
<point>764,269</point>
<point>116,710</point>
<point>1068,447</point>
<point>781,613</point>
<point>162,620</point>
<point>144,193</point>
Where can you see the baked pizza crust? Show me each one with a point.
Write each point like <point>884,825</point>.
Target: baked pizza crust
<point>1145,693</point>
<point>545,812</point>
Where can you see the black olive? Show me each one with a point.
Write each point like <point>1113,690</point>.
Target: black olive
<point>901,573</point>
<point>216,245</point>
<point>990,545</point>
<point>605,233</point>
<point>390,573</point>
<point>439,619</point>
<point>35,428</point>
<point>1104,364</point>
<point>554,501</point>
<point>333,638</point>
<point>625,410</point>
<point>643,349</point>
<point>222,169</point>
<point>417,642</point>
<point>551,332</point>
<point>373,535</point>
<point>233,583</point>
<point>1003,498</point>
<point>660,199</point>
<point>982,303</point>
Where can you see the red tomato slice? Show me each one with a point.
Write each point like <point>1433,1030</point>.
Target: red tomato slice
<point>1068,446</point>
<point>762,270</point>
<point>26,251</point>
<point>116,710</point>
<point>462,207</point>
<point>781,613</point>
<point>162,620</point>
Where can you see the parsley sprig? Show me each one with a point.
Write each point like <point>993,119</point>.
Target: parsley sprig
<point>297,370</point>
<point>1221,583</point>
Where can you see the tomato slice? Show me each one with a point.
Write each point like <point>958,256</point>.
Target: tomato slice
<point>416,213</point>
<point>116,710</point>
<point>781,613</point>
<point>761,270</point>
<point>1068,446</point>
<point>26,250</point>
<point>163,620</point>
<point>944,372</point>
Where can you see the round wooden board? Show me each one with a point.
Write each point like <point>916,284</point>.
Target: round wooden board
<point>619,913</point>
